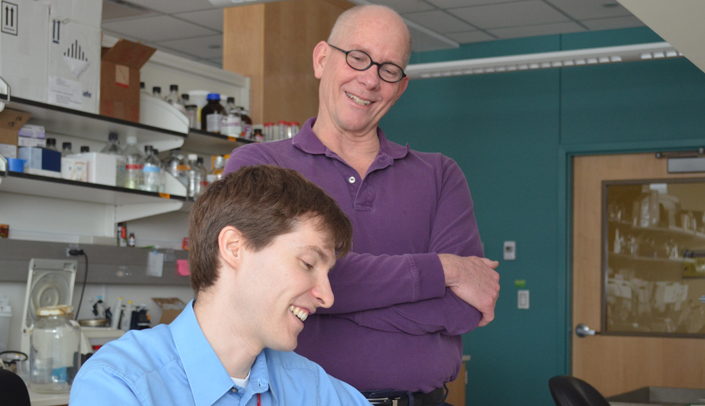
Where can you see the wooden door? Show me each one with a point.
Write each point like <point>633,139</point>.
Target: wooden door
<point>618,364</point>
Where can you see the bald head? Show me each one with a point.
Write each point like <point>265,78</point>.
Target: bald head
<point>345,24</point>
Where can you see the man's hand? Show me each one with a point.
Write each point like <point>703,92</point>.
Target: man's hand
<point>473,280</point>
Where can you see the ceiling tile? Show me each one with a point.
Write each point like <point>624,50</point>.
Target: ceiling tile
<point>439,21</point>
<point>460,3</point>
<point>536,30</point>
<point>174,6</point>
<point>212,19</point>
<point>612,23</point>
<point>590,9</point>
<point>114,11</point>
<point>516,14</point>
<point>424,42</point>
<point>406,6</point>
<point>156,29</point>
<point>203,47</point>
<point>471,36</point>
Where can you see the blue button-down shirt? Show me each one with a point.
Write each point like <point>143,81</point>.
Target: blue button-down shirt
<point>175,365</point>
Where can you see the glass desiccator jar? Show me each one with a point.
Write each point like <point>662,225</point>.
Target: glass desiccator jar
<point>54,356</point>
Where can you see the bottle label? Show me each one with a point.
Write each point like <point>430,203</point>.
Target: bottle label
<point>133,167</point>
<point>213,122</point>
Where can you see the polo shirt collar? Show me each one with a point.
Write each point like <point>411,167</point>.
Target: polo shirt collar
<point>307,141</point>
<point>208,378</point>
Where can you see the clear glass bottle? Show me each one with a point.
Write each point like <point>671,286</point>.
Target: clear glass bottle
<point>157,92</point>
<point>174,99</point>
<point>66,149</point>
<point>151,167</point>
<point>177,165</point>
<point>204,174</point>
<point>114,148</point>
<point>143,89</point>
<point>212,114</point>
<point>195,177</point>
<point>133,161</point>
<point>230,125</point>
<point>55,356</point>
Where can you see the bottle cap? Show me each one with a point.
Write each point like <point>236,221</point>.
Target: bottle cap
<point>231,100</point>
<point>51,142</point>
<point>213,96</point>
<point>148,149</point>
<point>157,89</point>
<point>112,137</point>
<point>66,145</point>
<point>185,97</point>
<point>85,148</point>
<point>174,87</point>
<point>199,160</point>
<point>141,85</point>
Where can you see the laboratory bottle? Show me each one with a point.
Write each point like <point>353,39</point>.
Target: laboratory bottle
<point>143,88</point>
<point>177,165</point>
<point>195,177</point>
<point>246,124</point>
<point>157,92</point>
<point>85,148</point>
<point>230,124</point>
<point>150,170</point>
<point>54,356</point>
<point>204,174</point>
<point>51,144</point>
<point>212,114</point>
<point>133,160</point>
<point>66,149</point>
<point>258,136</point>
<point>174,99</point>
<point>113,148</point>
<point>218,167</point>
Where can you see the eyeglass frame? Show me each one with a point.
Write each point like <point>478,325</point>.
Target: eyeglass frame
<point>379,65</point>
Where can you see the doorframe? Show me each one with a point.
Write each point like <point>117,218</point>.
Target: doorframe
<point>565,228</point>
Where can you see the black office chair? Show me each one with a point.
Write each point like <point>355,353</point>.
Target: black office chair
<point>13,391</point>
<point>571,391</point>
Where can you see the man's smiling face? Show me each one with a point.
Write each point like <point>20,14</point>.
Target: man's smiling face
<point>353,101</point>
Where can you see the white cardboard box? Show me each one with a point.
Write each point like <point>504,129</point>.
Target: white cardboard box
<point>50,51</point>
<point>102,168</point>
<point>24,47</point>
<point>74,168</point>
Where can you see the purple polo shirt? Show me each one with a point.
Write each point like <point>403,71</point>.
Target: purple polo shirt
<point>394,324</point>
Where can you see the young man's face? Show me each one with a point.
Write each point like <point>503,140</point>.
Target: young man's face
<point>284,283</point>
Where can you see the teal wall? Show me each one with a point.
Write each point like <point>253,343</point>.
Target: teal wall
<point>511,133</point>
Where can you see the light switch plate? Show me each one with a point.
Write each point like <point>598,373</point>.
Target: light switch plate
<point>510,250</point>
<point>523,299</point>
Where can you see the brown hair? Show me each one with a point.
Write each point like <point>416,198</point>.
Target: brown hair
<point>262,202</point>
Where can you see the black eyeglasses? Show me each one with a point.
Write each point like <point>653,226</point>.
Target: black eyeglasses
<point>359,60</point>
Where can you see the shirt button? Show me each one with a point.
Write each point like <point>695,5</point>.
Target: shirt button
<point>351,179</point>
<point>233,390</point>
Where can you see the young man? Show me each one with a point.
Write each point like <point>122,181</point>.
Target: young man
<point>262,241</point>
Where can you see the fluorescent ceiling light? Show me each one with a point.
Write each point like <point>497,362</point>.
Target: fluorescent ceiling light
<point>233,3</point>
<point>545,60</point>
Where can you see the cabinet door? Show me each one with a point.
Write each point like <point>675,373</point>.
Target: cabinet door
<point>617,364</point>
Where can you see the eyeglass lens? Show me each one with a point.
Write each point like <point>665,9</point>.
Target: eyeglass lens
<point>387,71</point>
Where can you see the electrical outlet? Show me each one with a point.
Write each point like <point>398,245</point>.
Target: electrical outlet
<point>510,250</point>
<point>522,299</point>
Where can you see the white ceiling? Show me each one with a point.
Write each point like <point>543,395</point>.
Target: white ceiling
<point>194,28</point>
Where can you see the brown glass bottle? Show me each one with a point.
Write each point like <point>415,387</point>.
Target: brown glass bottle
<point>212,113</point>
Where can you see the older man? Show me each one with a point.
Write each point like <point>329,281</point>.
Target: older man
<point>416,276</point>
<point>262,242</point>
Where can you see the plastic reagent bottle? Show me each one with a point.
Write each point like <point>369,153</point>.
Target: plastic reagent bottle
<point>113,148</point>
<point>150,170</point>
<point>194,176</point>
<point>133,168</point>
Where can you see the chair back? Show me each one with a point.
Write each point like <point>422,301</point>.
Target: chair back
<point>571,391</point>
<point>13,391</point>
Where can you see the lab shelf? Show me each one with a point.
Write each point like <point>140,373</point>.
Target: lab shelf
<point>206,143</point>
<point>75,123</point>
<point>129,204</point>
